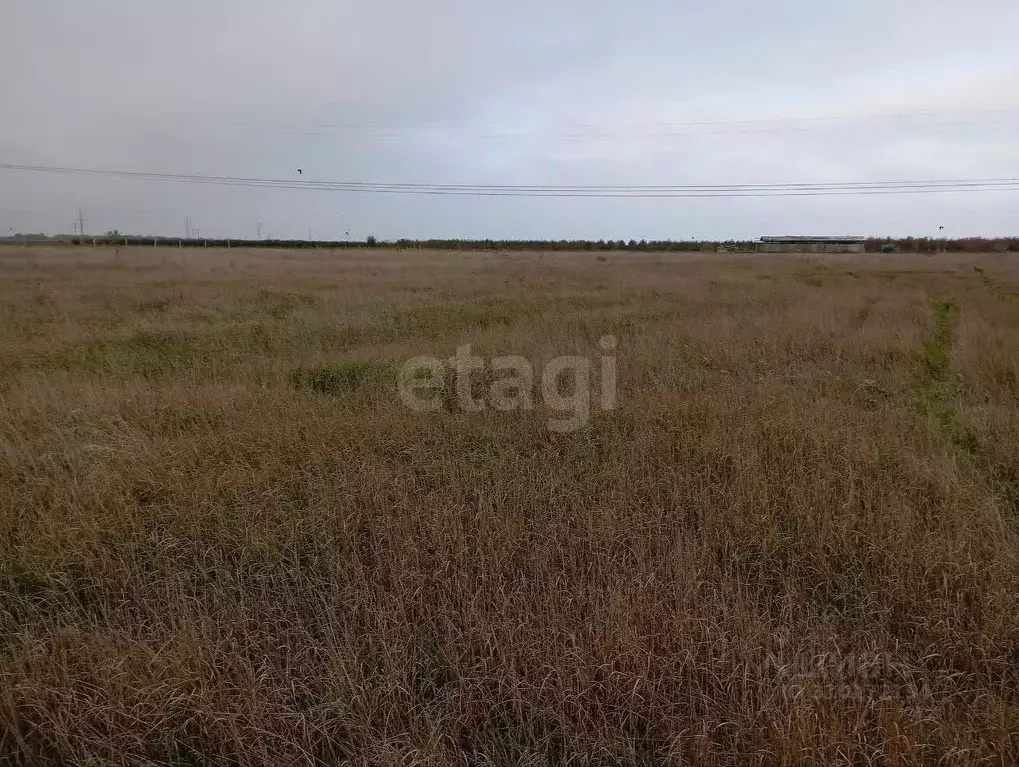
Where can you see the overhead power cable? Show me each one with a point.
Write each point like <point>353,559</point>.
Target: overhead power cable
<point>551,190</point>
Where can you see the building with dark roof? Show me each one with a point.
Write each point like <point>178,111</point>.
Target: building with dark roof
<point>801,244</point>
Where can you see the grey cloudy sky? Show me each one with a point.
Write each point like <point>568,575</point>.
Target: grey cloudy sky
<point>523,92</point>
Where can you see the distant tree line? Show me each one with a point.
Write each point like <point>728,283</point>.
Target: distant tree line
<point>938,245</point>
<point>872,244</point>
<point>576,245</point>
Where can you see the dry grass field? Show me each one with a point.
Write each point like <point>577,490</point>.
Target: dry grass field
<point>224,540</point>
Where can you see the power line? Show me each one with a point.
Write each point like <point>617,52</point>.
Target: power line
<point>549,190</point>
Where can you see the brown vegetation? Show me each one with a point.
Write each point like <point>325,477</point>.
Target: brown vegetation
<point>223,540</point>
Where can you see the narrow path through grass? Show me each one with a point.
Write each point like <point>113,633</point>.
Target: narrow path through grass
<point>936,386</point>
<point>937,397</point>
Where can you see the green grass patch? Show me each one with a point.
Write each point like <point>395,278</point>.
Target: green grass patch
<point>937,347</point>
<point>156,352</point>
<point>30,592</point>
<point>343,338</point>
<point>147,352</point>
<point>480,315</point>
<point>153,305</point>
<point>937,387</point>
<point>341,377</point>
<point>87,357</point>
<point>815,277</point>
<point>279,305</point>
<point>891,274</point>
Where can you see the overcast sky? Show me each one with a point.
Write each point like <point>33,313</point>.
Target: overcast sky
<point>522,92</point>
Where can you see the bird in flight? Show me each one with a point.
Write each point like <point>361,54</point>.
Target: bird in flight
<point>300,171</point>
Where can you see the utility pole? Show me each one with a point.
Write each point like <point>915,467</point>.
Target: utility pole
<point>187,228</point>
<point>81,222</point>
<point>258,230</point>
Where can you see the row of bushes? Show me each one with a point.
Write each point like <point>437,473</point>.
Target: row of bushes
<point>371,242</point>
<point>874,244</point>
<point>935,245</point>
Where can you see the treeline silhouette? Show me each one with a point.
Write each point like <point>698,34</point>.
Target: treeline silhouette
<point>872,244</point>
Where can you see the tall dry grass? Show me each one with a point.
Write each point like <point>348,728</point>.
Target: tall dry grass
<point>794,542</point>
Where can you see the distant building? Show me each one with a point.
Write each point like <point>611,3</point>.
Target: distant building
<point>797,244</point>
